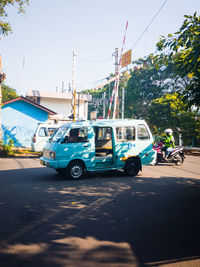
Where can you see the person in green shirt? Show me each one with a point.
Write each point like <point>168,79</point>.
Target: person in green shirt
<point>168,141</point>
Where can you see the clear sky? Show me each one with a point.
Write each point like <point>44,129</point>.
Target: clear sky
<point>38,54</point>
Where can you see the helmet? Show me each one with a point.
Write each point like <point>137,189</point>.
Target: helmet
<point>168,131</point>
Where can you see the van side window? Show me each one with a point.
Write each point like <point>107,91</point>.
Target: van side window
<point>43,132</point>
<point>103,133</point>
<point>142,132</point>
<point>125,134</point>
<point>78,135</point>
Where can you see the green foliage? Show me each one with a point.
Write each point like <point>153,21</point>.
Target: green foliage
<point>8,93</point>
<point>190,128</point>
<point>165,111</point>
<point>145,84</point>
<point>5,27</point>
<point>6,149</point>
<point>183,49</point>
<point>170,111</point>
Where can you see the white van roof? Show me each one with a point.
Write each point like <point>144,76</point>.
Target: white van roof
<point>107,123</point>
<point>49,125</point>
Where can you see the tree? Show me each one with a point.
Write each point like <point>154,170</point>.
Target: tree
<point>5,27</point>
<point>145,84</point>
<point>8,93</point>
<point>170,111</point>
<point>165,111</point>
<point>183,49</point>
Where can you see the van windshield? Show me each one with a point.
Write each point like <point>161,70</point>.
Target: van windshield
<point>58,134</point>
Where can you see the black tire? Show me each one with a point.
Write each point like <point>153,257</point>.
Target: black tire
<point>131,167</point>
<point>179,159</point>
<point>76,170</point>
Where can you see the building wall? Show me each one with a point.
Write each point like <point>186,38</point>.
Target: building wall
<point>63,106</point>
<point>59,106</point>
<point>19,122</point>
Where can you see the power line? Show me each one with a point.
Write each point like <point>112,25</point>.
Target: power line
<point>89,83</point>
<point>149,24</point>
<point>95,61</point>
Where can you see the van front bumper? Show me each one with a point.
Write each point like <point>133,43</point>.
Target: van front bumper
<point>49,163</point>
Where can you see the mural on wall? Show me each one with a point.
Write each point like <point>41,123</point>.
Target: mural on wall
<point>21,136</point>
<point>20,118</point>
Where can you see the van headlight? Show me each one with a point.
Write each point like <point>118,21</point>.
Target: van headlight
<point>52,154</point>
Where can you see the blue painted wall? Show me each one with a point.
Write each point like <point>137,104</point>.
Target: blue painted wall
<point>19,122</point>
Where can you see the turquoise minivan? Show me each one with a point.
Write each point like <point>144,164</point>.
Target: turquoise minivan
<point>100,145</point>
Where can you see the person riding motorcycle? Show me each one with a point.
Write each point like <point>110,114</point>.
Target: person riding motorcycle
<point>168,141</point>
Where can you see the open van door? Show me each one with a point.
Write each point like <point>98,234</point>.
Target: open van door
<point>104,156</point>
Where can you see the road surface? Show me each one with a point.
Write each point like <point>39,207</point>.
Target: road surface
<point>106,219</point>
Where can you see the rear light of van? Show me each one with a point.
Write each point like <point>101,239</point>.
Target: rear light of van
<point>34,138</point>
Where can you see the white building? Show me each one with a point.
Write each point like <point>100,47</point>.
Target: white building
<point>61,103</point>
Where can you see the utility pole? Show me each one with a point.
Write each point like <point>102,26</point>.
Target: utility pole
<point>116,101</point>
<point>114,96</point>
<point>74,87</point>
<point>63,87</point>
<point>69,88</point>
<point>104,105</point>
<point>116,86</point>
<point>122,102</point>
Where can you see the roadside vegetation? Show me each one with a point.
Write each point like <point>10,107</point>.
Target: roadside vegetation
<point>8,93</point>
<point>9,151</point>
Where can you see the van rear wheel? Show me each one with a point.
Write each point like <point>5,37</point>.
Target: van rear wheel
<point>76,170</point>
<point>131,167</point>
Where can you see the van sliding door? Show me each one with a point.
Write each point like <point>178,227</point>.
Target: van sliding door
<point>103,147</point>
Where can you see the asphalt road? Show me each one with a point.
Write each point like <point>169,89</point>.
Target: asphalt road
<point>105,219</point>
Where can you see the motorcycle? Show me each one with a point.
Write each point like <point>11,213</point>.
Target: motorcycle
<point>174,156</point>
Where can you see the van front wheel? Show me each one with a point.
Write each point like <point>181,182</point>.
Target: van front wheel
<point>76,170</point>
<point>131,167</point>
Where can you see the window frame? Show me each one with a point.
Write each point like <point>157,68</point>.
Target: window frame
<point>45,131</point>
<point>78,137</point>
<point>124,134</point>
<point>139,137</point>
<point>97,133</point>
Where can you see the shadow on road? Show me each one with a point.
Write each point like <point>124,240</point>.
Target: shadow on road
<point>103,220</point>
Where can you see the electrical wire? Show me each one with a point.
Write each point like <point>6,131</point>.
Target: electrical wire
<point>89,83</point>
<point>137,41</point>
<point>95,61</point>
